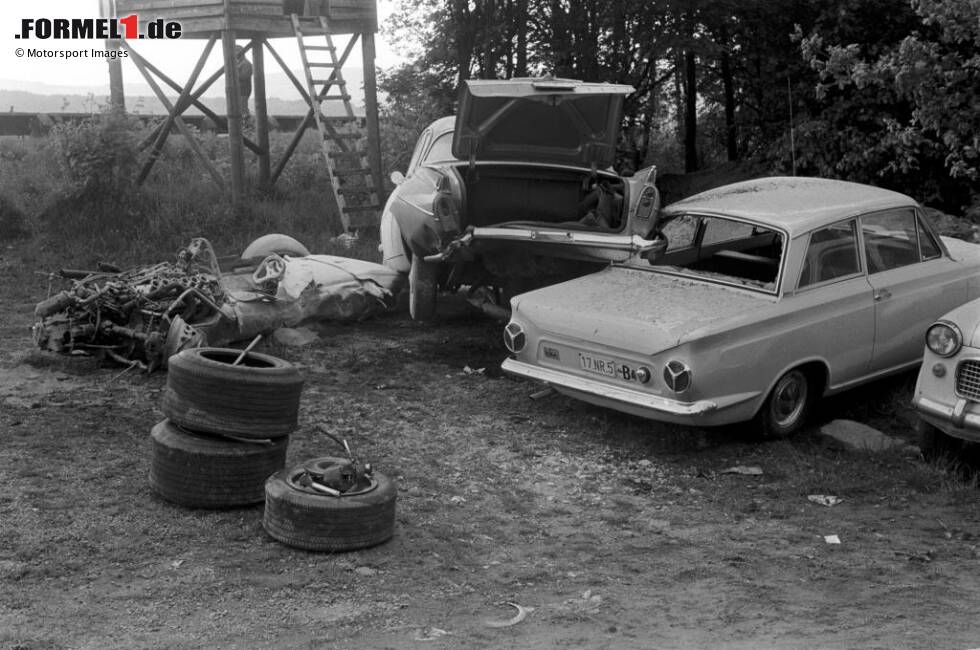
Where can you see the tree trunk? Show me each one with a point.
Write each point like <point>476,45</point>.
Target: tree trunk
<point>728,82</point>
<point>520,66</point>
<point>690,113</point>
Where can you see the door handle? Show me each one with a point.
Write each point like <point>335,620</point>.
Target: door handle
<point>882,294</point>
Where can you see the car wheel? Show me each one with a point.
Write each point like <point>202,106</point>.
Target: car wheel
<point>934,443</point>
<point>203,471</point>
<point>422,285</point>
<point>302,517</point>
<point>274,243</point>
<point>788,404</point>
<point>257,398</point>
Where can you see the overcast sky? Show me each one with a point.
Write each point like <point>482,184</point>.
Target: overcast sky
<point>176,58</point>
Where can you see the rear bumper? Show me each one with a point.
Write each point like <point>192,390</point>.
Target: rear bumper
<point>960,419</point>
<point>699,413</point>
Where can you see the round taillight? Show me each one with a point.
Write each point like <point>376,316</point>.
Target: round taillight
<point>514,337</point>
<point>677,376</point>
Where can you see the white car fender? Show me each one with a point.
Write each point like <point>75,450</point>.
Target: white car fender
<point>392,246</point>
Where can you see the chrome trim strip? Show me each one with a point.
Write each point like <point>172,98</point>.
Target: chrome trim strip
<point>618,393</point>
<point>617,242</point>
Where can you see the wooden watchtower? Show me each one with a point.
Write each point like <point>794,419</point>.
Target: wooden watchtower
<point>256,22</point>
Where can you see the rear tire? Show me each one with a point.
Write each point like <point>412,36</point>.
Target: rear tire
<point>313,521</point>
<point>203,471</point>
<point>422,286</point>
<point>787,406</point>
<point>256,399</point>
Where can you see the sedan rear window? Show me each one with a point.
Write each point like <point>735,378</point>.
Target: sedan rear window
<point>728,250</point>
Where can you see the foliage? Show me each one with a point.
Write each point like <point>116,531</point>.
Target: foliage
<point>97,156</point>
<point>903,112</point>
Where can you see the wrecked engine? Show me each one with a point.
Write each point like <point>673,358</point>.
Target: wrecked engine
<point>136,317</point>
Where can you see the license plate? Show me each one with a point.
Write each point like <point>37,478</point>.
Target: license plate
<point>606,367</point>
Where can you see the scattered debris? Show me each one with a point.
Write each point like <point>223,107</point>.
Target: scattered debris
<point>295,337</point>
<point>742,469</point>
<point>824,499</point>
<point>831,539</point>
<point>430,634</point>
<point>148,313</point>
<point>365,571</point>
<point>473,371</point>
<point>521,614</point>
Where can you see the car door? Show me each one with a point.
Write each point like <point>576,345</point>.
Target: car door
<point>832,307</point>
<point>914,283</point>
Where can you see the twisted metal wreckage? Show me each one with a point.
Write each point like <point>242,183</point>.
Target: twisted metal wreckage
<point>143,315</point>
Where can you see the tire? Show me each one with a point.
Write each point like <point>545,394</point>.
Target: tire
<point>307,519</point>
<point>936,444</point>
<point>203,471</point>
<point>787,406</point>
<point>422,285</point>
<point>256,399</point>
<point>274,243</point>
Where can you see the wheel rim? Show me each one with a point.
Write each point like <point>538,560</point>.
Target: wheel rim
<point>365,485</point>
<point>789,398</point>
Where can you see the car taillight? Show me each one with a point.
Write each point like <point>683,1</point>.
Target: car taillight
<point>514,337</point>
<point>446,213</point>
<point>677,376</point>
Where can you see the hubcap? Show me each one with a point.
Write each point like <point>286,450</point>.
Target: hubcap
<point>789,398</point>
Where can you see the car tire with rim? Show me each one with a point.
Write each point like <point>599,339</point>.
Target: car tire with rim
<point>422,286</point>
<point>787,406</point>
<point>257,398</point>
<point>204,471</point>
<point>934,443</point>
<point>304,518</point>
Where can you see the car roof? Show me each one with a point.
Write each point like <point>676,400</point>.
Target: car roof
<point>443,124</point>
<point>796,204</point>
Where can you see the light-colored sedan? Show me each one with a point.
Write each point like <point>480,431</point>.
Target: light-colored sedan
<point>771,293</point>
<point>947,393</point>
<point>517,191</point>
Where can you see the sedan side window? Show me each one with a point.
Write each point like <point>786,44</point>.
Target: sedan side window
<point>832,253</point>
<point>927,243</point>
<point>441,149</point>
<point>890,240</point>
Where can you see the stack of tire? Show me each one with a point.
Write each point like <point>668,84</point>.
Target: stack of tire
<point>227,427</point>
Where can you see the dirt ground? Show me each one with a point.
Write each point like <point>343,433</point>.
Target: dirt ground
<point>610,531</point>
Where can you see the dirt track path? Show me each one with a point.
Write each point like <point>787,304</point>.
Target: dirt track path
<point>617,532</point>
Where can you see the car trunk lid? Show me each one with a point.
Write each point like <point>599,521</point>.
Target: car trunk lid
<point>554,121</point>
<point>636,309</point>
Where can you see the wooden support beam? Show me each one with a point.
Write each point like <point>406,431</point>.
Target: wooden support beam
<point>261,113</point>
<point>155,87</point>
<point>233,102</point>
<point>371,110</point>
<point>164,131</point>
<point>193,100</point>
<point>117,96</point>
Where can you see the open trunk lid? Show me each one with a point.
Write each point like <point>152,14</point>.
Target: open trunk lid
<point>553,121</point>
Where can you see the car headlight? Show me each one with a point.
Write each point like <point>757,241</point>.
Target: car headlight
<point>944,338</point>
<point>514,337</point>
<point>677,376</point>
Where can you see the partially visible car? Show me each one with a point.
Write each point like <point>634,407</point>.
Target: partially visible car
<point>516,191</point>
<point>947,391</point>
<point>770,294</point>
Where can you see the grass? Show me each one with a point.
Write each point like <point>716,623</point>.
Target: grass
<point>72,195</point>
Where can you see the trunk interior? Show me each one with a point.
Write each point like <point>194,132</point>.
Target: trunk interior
<point>502,195</point>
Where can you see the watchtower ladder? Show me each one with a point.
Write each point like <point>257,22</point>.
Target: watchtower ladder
<point>351,180</point>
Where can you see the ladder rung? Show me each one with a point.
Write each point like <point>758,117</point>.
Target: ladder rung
<point>324,48</point>
<point>323,65</point>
